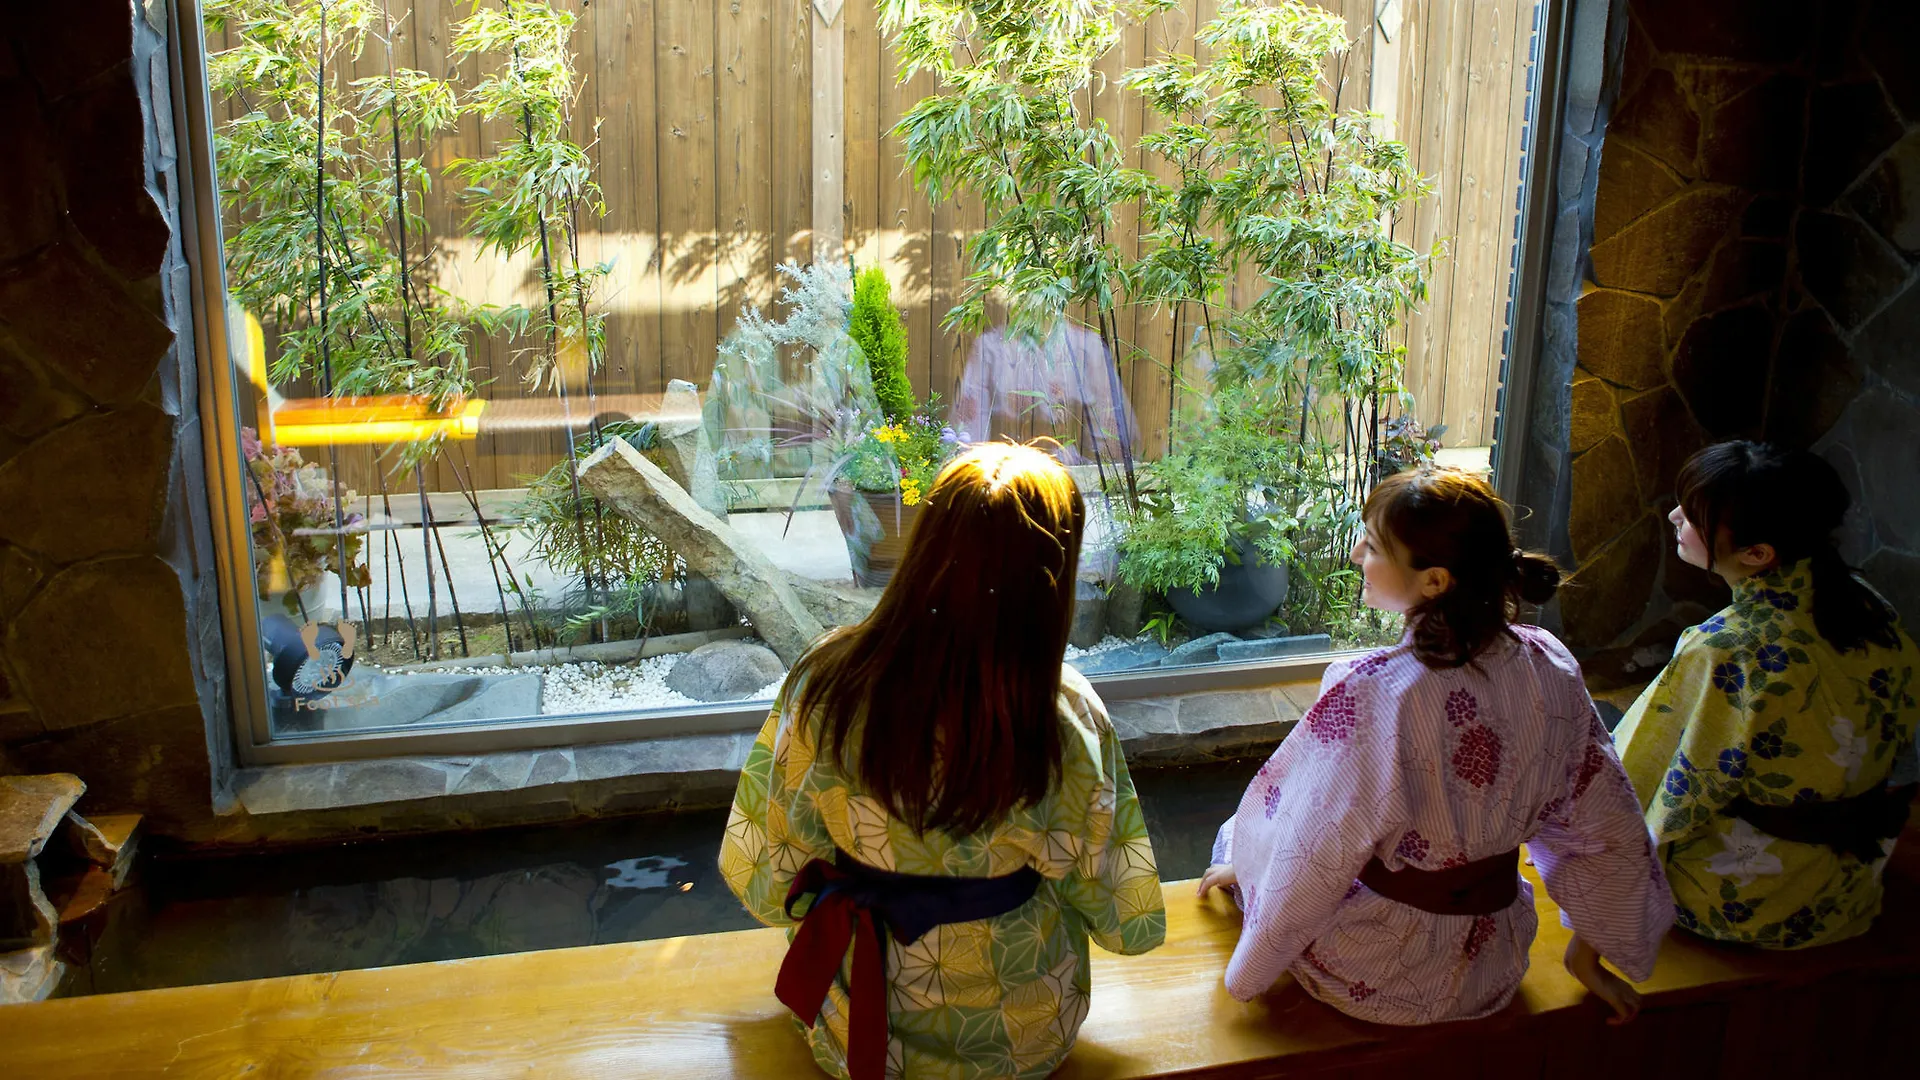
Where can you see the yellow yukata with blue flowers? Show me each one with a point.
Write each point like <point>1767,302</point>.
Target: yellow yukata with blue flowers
<point>1000,997</point>
<point>1756,704</point>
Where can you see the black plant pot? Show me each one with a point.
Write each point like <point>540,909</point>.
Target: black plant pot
<point>1248,593</point>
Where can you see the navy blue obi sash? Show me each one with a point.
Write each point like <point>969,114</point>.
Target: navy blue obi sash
<point>852,904</point>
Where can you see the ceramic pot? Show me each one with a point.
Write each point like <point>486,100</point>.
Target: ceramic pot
<point>876,526</point>
<point>1247,594</point>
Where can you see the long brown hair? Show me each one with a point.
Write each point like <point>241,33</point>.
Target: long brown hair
<point>943,700</point>
<point>1450,518</point>
<point>1793,499</point>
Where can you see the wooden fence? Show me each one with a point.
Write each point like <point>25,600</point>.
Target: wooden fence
<point>709,156</point>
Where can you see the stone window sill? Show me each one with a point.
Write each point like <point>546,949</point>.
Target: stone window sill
<point>310,801</point>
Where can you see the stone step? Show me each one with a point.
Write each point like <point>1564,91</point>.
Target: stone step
<point>108,841</point>
<point>31,807</point>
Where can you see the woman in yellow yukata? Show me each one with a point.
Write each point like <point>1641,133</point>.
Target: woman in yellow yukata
<point>941,805</point>
<point>1762,753</point>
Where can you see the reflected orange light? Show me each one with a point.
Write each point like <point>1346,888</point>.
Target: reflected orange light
<point>358,421</point>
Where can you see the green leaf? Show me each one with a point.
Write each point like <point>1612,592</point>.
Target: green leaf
<point>1774,780</point>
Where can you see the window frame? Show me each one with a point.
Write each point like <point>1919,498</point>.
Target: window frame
<point>218,399</point>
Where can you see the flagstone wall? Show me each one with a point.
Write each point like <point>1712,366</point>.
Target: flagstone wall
<point>110,653</point>
<point>1750,275</point>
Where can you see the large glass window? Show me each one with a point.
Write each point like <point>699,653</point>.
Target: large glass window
<point>561,395</point>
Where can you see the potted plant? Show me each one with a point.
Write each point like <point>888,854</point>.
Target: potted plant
<point>297,532</point>
<point>880,482</point>
<point>849,410</point>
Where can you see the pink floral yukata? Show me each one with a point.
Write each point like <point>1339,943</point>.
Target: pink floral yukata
<point>1432,769</point>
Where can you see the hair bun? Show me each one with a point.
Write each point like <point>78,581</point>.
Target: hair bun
<point>1538,575</point>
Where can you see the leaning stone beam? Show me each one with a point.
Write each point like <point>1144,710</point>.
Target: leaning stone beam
<point>637,488</point>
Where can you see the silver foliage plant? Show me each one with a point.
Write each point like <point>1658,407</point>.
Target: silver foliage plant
<point>755,409</point>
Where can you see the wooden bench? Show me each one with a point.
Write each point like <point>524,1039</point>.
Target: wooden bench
<point>703,1007</point>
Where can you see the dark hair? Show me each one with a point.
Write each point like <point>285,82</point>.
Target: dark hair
<point>944,700</point>
<point>1452,519</point>
<point>1757,493</point>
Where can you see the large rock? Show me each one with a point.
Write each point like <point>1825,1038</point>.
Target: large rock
<point>1632,182</point>
<point>1887,40</point>
<point>1848,126</point>
<point>1815,377</point>
<point>1089,625</point>
<point>1847,267</point>
<point>1663,435</point>
<point>1720,368</point>
<point>27,919</point>
<point>95,486</point>
<point>1126,610</point>
<point>1750,30</point>
<point>725,671</point>
<point>1622,339</point>
<point>1889,455</point>
<point>1606,496</point>
<point>29,975</point>
<point>1609,592</point>
<point>624,479</point>
<point>834,605</point>
<point>1659,119</point>
<point>685,452</point>
<point>1662,249</point>
<point>1594,416</point>
<point>102,640</point>
<point>1753,139</point>
<point>31,807</point>
<point>110,353</point>
<point>1889,198</point>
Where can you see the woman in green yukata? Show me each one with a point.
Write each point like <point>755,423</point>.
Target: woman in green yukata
<point>1762,754</point>
<point>941,805</point>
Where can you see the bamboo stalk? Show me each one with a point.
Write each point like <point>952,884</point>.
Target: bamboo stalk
<point>496,557</point>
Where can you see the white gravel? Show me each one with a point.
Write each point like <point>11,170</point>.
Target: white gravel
<point>1106,643</point>
<point>567,689</point>
<point>571,689</point>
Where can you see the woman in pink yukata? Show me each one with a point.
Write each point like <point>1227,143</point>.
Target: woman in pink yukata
<point>1375,855</point>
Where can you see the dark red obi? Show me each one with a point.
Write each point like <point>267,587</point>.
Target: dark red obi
<point>852,904</point>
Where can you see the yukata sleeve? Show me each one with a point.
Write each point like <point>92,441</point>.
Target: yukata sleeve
<point>1597,861</point>
<point>774,828</point>
<point>1685,742</point>
<point>1307,825</point>
<point>1114,884</point>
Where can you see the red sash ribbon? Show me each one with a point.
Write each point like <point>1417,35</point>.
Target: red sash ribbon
<point>836,919</point>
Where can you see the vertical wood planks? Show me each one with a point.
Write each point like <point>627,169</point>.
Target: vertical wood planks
<point>684,142</point>
<point>744,239</point>
<point>1483,202</point>
<point>623,50</point>
<point>707,160</point>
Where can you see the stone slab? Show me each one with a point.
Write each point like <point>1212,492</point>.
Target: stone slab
<point>31,807</point>
<point>29,975</point>
<point>1269,648</point>
<point>108,841</point>
<point>377,699</point>
<point>27,919</point>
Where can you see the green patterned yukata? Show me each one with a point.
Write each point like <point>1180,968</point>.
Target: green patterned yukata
<point>1756,704</point>
<point>1000,997</point>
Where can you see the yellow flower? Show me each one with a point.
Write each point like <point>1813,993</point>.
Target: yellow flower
<point>910,496</point>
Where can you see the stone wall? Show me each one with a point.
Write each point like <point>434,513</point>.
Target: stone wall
<point>1749,276</point>
<point>109,646</point>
